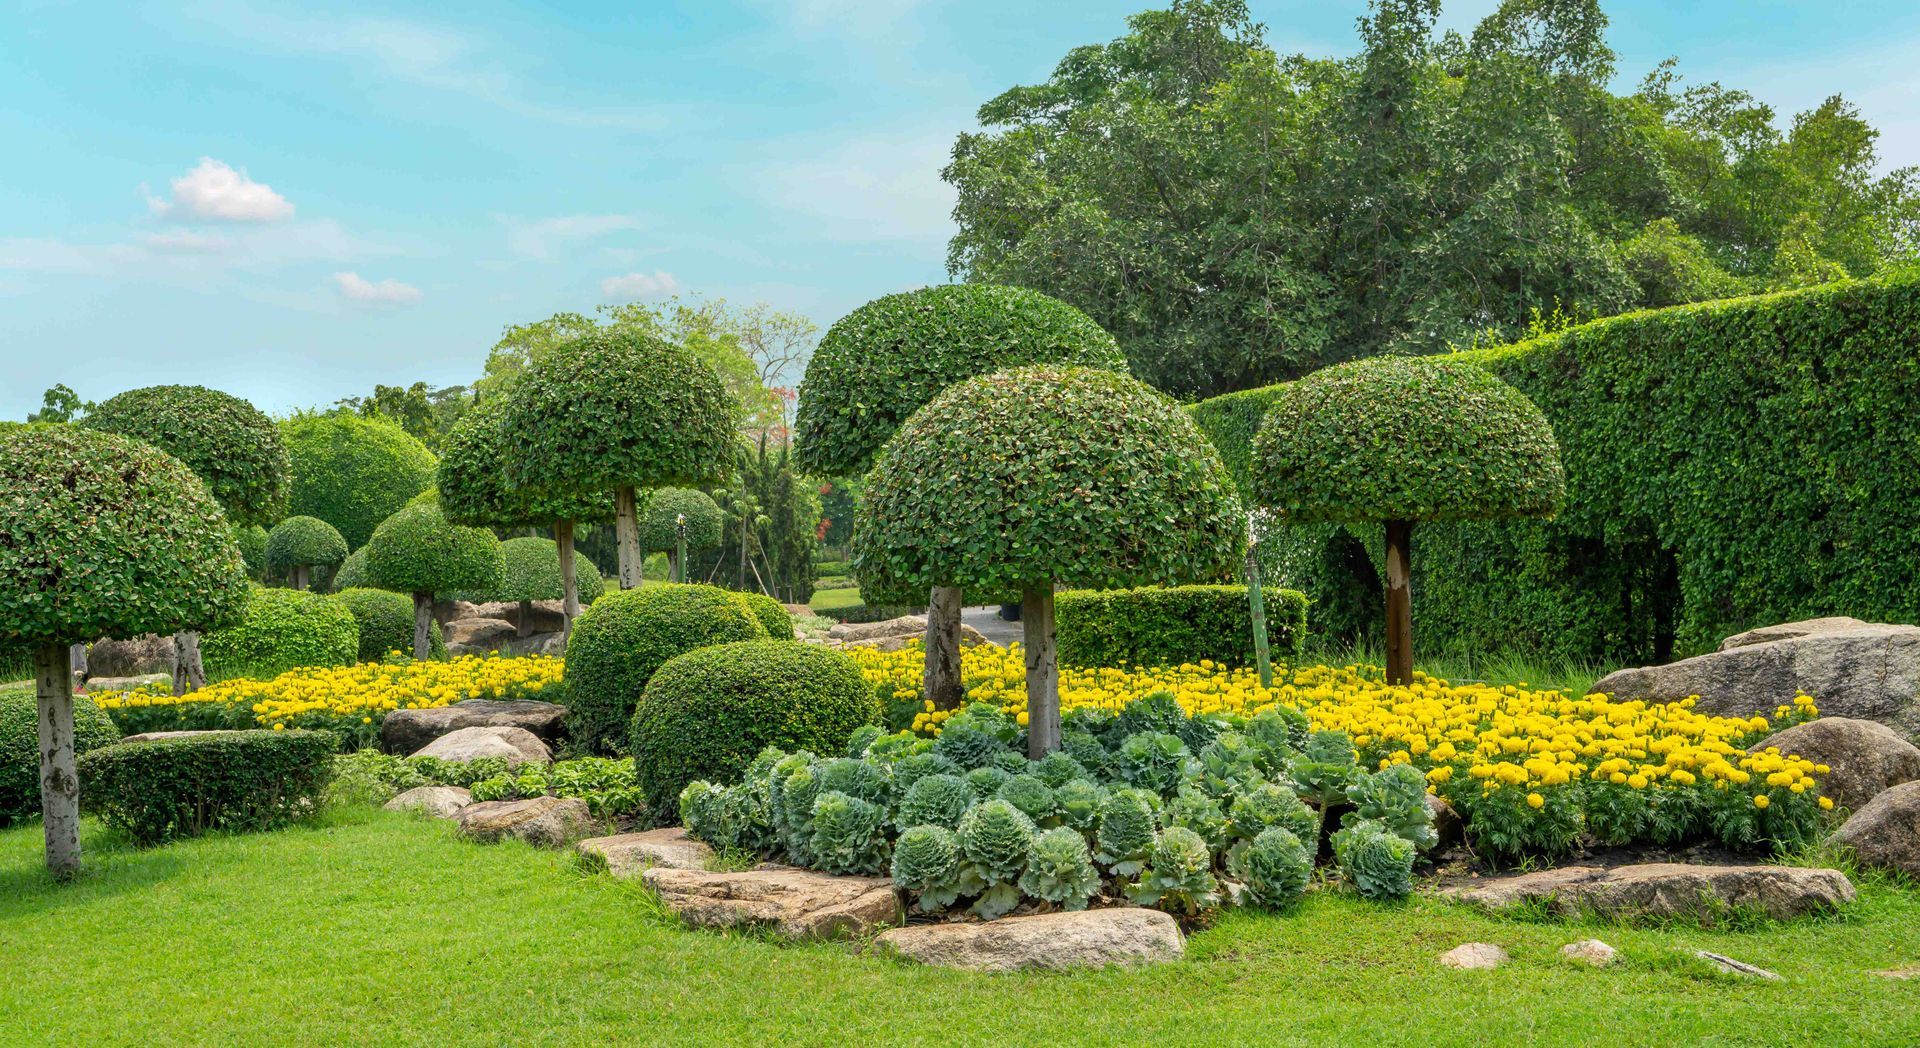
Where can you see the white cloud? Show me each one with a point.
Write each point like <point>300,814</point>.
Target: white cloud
<point>541,238</point>
<point>388,292</point>
<point>215,192</point>
<point>184,254</point>
<point>635,286</point>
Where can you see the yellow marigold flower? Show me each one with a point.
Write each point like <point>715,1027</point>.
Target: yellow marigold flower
<point>1534,800</point>
<point>1761,800</point>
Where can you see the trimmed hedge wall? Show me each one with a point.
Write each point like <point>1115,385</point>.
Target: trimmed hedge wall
<point>183,787</point>
<point>1166,626</point>
<point>20,747</point>
<point>1729,464</point>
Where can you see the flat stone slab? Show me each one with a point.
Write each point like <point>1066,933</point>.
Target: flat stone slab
<point>1664,890</point>
<point>628,854</point>
<point>441,802</point>
<point>516,746</point>
<point>1474,956</point>
<point>799,904</point>
<point>406,731</point>
<point>1055,941</point>
<point>547,822</point>
<point>1792,630</point>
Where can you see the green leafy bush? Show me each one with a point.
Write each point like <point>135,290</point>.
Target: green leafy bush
<point>1396,798</point>
<point>771,613</point>
<point>233,448</point>
<point>1272,806</point>
<point>20,748</point>
<point>1127,830</point>
<point>530,570</point>
<point>938,799</point>
<point>1325,767</point>
<point>386,623</point>
<point>185,786</point>
<point>848,834</point>
<point>658,517</point>
<point>1171,625</point>
<point>284,629</point>
<point>608,786</point>
<point>1179,877</point>
<point>471,478</point>
<point>707,712</point>
<point>252,541</point>
<point>352,573</point>
<point>303,542</point>
<point>1376,861</point>
<point>1080,801</point>
<point>928,862</point>
<point>1153,761</point>
<point>353,472</point>
<point>417,550</point>
<point>1033,797</point>
<point>1276,867</point>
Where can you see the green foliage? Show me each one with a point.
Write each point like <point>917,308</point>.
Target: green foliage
<point>1275,868</point>
<point>1325,766</point>
<point>1396,798</point>
<point>353,472</point>
<point>775,513</point>
<point>791,803</point>
<point>1153,761</point>
<point>1179,878</point>
<point>986,782</point>
<point>20,747</point>
<point>928,862</point>
<point>233,448</point>
<point>385,619</point>
<point>1058,768</point>
<point>426,412</point>
<point>284,629</point>
<point>103,536</point>
<point>185,786</point>
<point>771,613</point>
<point>660,512</point>
<point>913,767</point>
<point>1194,809</point>
<point>707,712</point>
<point>352,573</point>
<point>252,541</point>
<point>1170,625</point>
<point>369,777</point>
<point>608,786</point>
<point>938,799</point>
<point>848,834</point>
<point>1378,862</point>
<point>997,840</point>
<point>968,746</point>
<point>1126,835</point>
<point>1033,797</point>
<point>1060,871</point>
<point>1112,485</point>
<point>302,542</point>
<point>1273,806</point>
<point>855,778</point>
<point>418,551</point>
<point>530,570</point>
<point>1080,801</point>
<point>472,480</point>
<point>882,362</point>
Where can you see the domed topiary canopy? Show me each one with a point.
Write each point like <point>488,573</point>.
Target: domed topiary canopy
<point>299,543</point>
<point>353,472</point>
<point>658,515</point>
<point>417,551</point>
<point>233,448</point>
<point>472,480</point>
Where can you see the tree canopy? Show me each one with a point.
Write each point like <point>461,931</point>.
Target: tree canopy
<point>353,472</point>
<point>226,441</point>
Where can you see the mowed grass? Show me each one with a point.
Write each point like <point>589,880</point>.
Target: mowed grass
<point>828,599</point>
<point>374,929</point>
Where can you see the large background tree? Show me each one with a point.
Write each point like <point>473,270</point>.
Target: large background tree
<point>353,472</point>
<point>1236,217</point>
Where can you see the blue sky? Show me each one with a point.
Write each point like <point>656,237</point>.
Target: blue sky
<point>292,202</point>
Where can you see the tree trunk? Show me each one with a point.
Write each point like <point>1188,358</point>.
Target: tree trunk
<point>941,677</point>
<point>189,673</point>
<point>673,566</point>
<point>525,625</point>
<point>1043,672</point>
<point>626,529</point>
<point>422,626</point>
<point>569,587</point>
<point>59,781</point>
<point>1257,613</point>
<point>1399,603</point>
<point>77,658</point>
<point>300,576</point>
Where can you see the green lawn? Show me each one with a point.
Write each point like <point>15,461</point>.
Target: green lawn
<point>381,929</point>
<point>828,599</point>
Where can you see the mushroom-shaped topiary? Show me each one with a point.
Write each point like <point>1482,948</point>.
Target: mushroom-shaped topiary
<point>353,573</point>
<point>1395,440</point>
<point>664,514</point>
<point>235,451</point>
<point>386,622</point>
<point>100,536</point>
<point>1012,482</point>
<point>473,489</point>
<point>353,472</point>
<point>418,551</point>
<point>297,544</point>
<point>531,571</point>
<point>882,362</point>
<point>614,411</point>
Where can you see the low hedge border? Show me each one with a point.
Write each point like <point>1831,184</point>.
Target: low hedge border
<point>1170,625</point>
<point>230,780</point>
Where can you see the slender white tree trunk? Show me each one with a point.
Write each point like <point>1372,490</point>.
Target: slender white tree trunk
<point>59,781</point>
<point>1043,672</point>
<point>422,626</point>
<point>189,673</point>
<point>626,528</point>
<point>301,577</point>
<point>569,587</point>
<point>941,677</point>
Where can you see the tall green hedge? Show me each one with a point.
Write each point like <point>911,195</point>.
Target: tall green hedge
<point>1169,625</point>
<point>1728,464</point>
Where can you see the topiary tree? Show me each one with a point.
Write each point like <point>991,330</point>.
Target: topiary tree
<point>100,536</point>
<point>353,573</point>
<point>418,551</point>
<point>252,541</point>
<point>1394,440</point>
<point>618,410</point>
<point>234,449</point>
<point>474,489</point>
<point>1013,482</point>
<point>666,512</point>
<point>880,363</point>
<point>285,629</point>
<point>386,623</point>
<point>296,544</point>
<point>531,571</point>
<point>353,472</point>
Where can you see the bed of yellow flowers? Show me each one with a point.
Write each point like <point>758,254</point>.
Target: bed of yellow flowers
<point>1530,769</point>
<point>351,700</point>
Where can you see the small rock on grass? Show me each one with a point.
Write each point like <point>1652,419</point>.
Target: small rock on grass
<point>1589,951</point>
<point>1733,967</point>
<point>1898,973</point>
<point>441,802</point>
<point>1474,956</point>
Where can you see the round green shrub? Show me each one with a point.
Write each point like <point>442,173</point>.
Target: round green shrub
<point>659,516</point>
<point>417,551</point>
<point>472,480</point>
<point>771,613</point>
<point>880,363</point>
<point>231,780</point>
<point>386,622</point>
<point>618,409</point>
<point>708,712</point>
<point>252,540</point>
<point>234,449</point>
<point>531,571</point>
<point>285,629</point>
<point>352,573</point>
<point>20,748</point>
<point>1405,438</point>
<point>626,635</point>
<point>1016,479</point>
<point>104,536</point>
<point>353,472</point>
<point>302,542</point>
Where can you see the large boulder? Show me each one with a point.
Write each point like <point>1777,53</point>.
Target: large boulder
<point>547,822</point>
<point>1863,758</point>
<point>516,745</point>
<point>1790,630</point>
<point>627,854</point>
<point>1867,673</point>
<point>477,635</point>
<point>547,615</point>
<point>1664,890</point>
<point>1886,832</point>
<point>799,904</point>
<point>893,634</point>
<point>405,731</point>
<point>97,685</point>
<point>441,802</point>
<point>1086,939</point>
<point>130,658</point>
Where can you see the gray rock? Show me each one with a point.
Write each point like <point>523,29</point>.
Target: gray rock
<point>1886,832</point>
<point>1870,673</point>
<point>1790,630</point>
<point>1057,941</point>
<point>1446,822</point>
<point>405,731</point>
<point>1864,758</point>
<point>548,822</point>
<point>137,657</point>
<point>627,854</point>
<point>534,644</point>
<point>1589,951</point>
<point>516,745</point>
<point>799,904</point>
<point>1474,956</point>
<point>893,634</point>
<point>1733,967</point>
<point>96,685</point>
<point>441,802</point>
<point>1664,890</point>
<point>477,636</point>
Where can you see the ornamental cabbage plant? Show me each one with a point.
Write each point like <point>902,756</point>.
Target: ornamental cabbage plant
<point>997,839</point>
<point>1377,862</point>
<point>1060,871</point>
